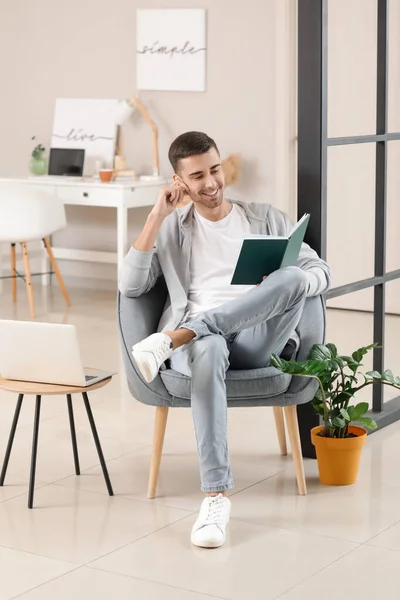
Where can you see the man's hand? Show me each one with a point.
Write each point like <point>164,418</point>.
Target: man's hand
<point>167,200</point>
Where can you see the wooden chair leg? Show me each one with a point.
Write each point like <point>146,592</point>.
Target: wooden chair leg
<point>280,429</point>
<point>56,270</point>
<point>295,443</point>
<point>158,442</point>
<point>28,279</point>
<point>14,273</point>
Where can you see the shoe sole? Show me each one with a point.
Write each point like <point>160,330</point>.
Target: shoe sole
<point>210,544</point>
<point>143,368</point>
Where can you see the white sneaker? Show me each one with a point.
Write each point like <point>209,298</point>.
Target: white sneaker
<point>209,531</point>
<point>151,353</point>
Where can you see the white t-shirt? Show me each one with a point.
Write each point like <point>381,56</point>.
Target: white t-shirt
<point>215,250</point>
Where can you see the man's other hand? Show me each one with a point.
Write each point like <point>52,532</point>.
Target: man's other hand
<point>265,277</point>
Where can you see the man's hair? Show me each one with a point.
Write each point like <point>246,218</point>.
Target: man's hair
<point>187,144</point>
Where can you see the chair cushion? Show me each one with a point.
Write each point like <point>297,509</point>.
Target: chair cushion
<point>253,383</point>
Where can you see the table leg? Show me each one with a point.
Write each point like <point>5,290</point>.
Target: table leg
<point>34,451</point>
<point>122,234</point>
<point>73,434</point>
<point>97,442</point>
<point>11,438</point>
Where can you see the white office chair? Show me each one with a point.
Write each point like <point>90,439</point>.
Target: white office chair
<point>26,215</point>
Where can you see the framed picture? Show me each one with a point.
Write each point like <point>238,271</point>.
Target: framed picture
<point>87,124</point>
<point>171,50</point>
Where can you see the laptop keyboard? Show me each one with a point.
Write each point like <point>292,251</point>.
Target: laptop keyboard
<point>90,377</point>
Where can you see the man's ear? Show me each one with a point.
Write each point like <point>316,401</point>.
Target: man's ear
<point>179,180</point>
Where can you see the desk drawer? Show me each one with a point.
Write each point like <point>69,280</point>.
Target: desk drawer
<point>91,196</point>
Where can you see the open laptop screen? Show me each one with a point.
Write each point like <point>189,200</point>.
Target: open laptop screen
<point>66,161</point>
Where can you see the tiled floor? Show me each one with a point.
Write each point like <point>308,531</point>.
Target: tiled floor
<point>80,543</point>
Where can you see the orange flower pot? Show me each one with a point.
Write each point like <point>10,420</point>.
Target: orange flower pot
<point>338,459</point>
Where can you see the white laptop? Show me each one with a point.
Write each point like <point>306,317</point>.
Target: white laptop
<point>44,353</point>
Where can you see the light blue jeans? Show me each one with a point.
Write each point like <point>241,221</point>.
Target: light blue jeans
<point>241,334</point>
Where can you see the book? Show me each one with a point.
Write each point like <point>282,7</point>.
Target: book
<point>263,254</point>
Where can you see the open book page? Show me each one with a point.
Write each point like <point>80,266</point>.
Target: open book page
<point>295,227</point>
<point>298,224</point>
<point>257,236</point>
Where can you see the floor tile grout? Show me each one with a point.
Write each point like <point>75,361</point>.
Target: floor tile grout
<point>299,531</point>
<point>317,572</point>
<point>39,487</point>
<point>44,583</point>
<point>37,554</point>
<point>137,540</point>
<point>167,585</point>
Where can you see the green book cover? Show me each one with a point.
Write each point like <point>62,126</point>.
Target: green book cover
<point>263,254</point>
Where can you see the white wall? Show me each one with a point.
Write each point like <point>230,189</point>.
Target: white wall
<point>87,49</point>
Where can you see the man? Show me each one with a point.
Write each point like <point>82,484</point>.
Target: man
<point>209,325</point>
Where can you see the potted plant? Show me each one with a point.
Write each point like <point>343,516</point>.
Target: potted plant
<point>338,442</point>
<point>37,163</point>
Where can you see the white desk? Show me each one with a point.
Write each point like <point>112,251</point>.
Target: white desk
<point>91,192</point>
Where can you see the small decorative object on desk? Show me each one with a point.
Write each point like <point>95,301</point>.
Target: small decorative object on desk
<point>38,162</point>
<point>119,163</point>
<point>126,175</point>
<point>338,443</point>
<point>106,175</point>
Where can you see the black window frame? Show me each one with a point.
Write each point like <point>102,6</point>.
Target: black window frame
<point>313,144</point>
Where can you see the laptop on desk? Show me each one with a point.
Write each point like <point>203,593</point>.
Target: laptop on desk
<point>66,162</point>
<point>44,353</point>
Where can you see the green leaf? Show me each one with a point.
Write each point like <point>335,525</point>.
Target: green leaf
<point>321,353</point>
<point>350,410</point>
<point>333,350</point>
<point>361,352</point>
<point>319,408</point>
<point>327,380</point>
<point>351,363</point>
<point>338,363</point>
<point>345,414</point>
<point>374,374</point>
<point>286,366</point>
<point>388,376</point>
<point>338,422</point>
<point>309,367</point>
<point>318,395</point>
<point>368,423</point>
<point>314,367</point>
<point>342,397</point>
<point>359,410</point>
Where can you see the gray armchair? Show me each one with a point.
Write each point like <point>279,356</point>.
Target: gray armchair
<point>139,317</point>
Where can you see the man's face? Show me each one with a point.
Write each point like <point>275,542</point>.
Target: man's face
<point>203,178</point>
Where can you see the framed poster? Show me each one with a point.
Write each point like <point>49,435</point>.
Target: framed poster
<point>171,50</point>
<point>87,124</point>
